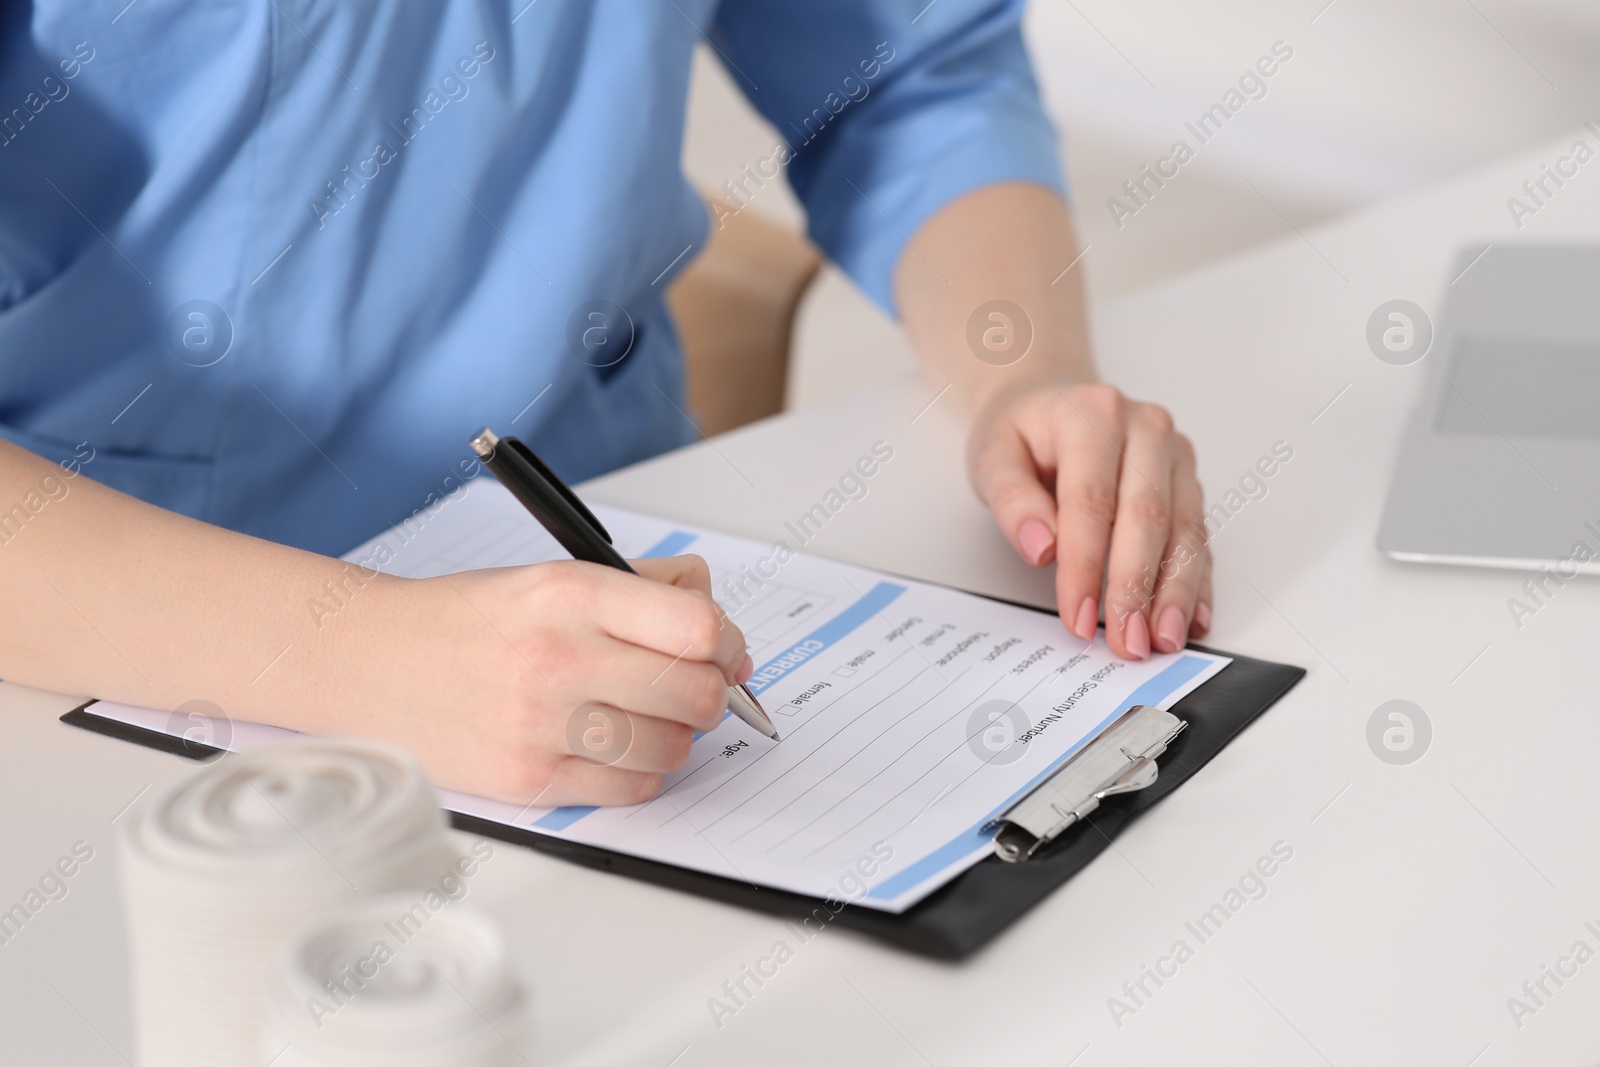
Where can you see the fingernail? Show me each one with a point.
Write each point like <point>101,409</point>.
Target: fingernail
<point>1083,625</point>
<point>1170,631</point>
<point>1136,635</point>
<point>1202,617</point>
<point>1035,539</point>
<point>746,669</point>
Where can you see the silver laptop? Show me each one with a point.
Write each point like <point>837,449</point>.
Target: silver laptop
<point>1501,461</point>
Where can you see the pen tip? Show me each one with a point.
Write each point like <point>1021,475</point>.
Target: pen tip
<point>744,704</point>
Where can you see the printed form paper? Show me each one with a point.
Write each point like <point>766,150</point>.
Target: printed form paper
<point>911,715</point>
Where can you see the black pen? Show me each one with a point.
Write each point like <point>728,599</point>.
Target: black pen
<point>560,511</point>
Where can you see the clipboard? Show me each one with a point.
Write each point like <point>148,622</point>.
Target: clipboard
<point>1042,841</point>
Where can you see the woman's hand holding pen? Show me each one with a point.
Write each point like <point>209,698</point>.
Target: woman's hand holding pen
<point>556,683</point>
<point>564,682</point>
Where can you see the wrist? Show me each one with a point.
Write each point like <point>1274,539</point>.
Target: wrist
<point>351,645</point>
<point>990,400</point>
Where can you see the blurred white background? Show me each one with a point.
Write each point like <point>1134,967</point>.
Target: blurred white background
<point>1380,97</point>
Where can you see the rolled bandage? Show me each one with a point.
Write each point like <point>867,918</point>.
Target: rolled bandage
<point>222,871</point>
<point>394,982</point>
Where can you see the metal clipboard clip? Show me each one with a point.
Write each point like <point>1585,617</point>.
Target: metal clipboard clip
<point>1121,760</point>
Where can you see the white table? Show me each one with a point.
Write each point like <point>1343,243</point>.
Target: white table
<point>1418,899</point>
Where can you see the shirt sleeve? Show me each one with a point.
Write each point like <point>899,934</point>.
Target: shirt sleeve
<point>887,115</point>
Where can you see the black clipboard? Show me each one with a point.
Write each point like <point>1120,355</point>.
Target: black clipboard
<point>962,915</point>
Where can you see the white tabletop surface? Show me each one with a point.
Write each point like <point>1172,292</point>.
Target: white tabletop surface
<point>1417,900</point>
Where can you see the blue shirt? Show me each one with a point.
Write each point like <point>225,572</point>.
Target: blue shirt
<point>276,262</point>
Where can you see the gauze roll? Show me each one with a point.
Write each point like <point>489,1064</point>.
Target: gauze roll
<point>391,983</point>
<point>223,870</point>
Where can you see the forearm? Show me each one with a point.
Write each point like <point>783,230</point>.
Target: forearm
<point>1008,242</point>
<point>118,599</point>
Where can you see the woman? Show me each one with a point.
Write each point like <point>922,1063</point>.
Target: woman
<point>264,267</point>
